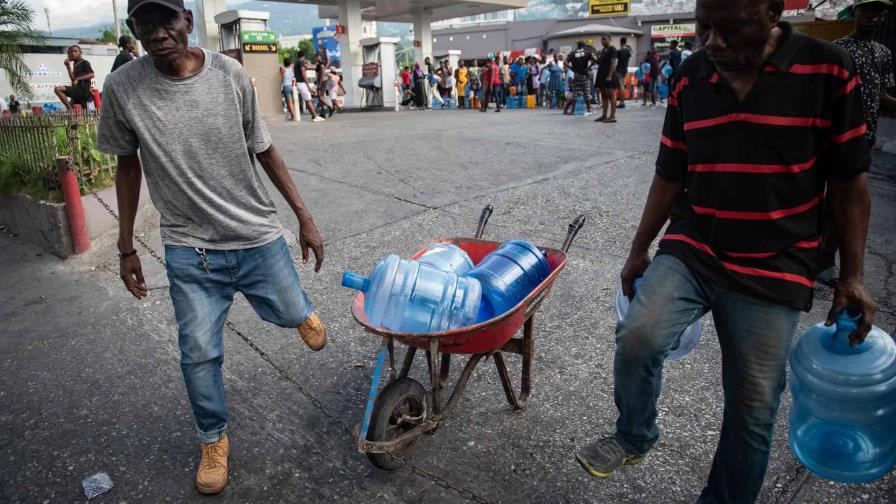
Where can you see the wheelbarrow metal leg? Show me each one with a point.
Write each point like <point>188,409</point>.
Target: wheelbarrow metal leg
<point>374,386</point>
<point>391,346</point>
<point>408,361</point>
<point>526,349</point>
<point>433,355</point>
<point>462,381</point>
<point>445,370</point>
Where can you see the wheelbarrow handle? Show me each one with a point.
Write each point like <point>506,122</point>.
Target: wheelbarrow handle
<point>483,220</point>
<point>574,228</point>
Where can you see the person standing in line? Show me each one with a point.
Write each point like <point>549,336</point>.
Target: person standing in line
<point>474,76</point>
<point>14,106</point>
<point>430,79</point>
<point>518,73</point>
<point>189,120</point>
<point>623,57</point>
<point>321,74</point>
<point>287,83</point>
<point>544,80</point>
<point>741,240</point>
<point>674,59</point>
<point>580,61</point>
<point>418,76</point>
<point>607,80</point>
<point>80,73</point>
<point>874,65</point>
<point>299,71</point>
<point>492,81</point>
<point>557,83</point>
<point>461,80</point>
<point>648,84</point>
<point>128,52</point>
<point>506,80</point>
<point>654,58</point>
<point>335,89</point>
<point>405,79</point>
<point>446,81</point>
<point>687,51</point>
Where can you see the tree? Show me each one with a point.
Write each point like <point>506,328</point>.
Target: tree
<point>307,46</point>
<point>15,32</point>
<point>107,35</point>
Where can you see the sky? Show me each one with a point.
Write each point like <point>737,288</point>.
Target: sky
<point>64,14</point>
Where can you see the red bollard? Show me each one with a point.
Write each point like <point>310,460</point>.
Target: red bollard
<point>76,108</point>
<point>97,99</point>
<point>37,110</point>
<point>73,208</point>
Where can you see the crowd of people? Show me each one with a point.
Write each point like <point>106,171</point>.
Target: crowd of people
<point>327,89</point>
<point>551,80</point>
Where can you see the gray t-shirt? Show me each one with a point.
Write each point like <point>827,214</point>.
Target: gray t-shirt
<point>197,138</point>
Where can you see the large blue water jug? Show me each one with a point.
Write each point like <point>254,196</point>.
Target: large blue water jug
<point>407,296</point>
<point>447,257</point>
<point>843,417</point>
<point>508,275</point>
<point>686,341</point>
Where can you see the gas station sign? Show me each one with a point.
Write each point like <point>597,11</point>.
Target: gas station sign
<point>255,47</point>
<point>258,37</point>
<point>608,8</point>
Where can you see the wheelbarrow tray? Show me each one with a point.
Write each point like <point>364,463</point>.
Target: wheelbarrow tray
<point>485,336</point>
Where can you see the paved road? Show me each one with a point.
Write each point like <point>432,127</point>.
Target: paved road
<point>90,377</point>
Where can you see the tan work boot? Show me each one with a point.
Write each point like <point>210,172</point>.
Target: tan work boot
<point>211,477</point>
<point>313,332</point>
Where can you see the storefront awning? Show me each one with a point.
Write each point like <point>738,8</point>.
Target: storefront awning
<point>593,29</point>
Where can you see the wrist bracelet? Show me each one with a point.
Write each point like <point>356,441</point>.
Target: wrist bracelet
<point>125,255</point>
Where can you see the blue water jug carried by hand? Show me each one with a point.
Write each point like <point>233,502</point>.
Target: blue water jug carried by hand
<point>843,417</point>
<point>508,275</point>
<point>686,341</point>
<point>408,296</point>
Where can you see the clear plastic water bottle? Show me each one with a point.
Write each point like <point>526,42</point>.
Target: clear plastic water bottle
<point>684,343</point>
<point>407,296</point>
<point>508,275</point>
<point>843,417</point>
<point>447,257</point>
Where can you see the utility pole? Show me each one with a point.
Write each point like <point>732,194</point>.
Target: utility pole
<point>49,28</point>
<point>117,22</point>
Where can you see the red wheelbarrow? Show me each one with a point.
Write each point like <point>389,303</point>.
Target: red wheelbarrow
<point>404,410</point>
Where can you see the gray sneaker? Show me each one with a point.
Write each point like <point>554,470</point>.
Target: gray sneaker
<point>829,276</point>
<point>604,456</point>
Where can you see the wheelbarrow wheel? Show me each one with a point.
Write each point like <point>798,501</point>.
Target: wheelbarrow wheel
<point>398,403</point>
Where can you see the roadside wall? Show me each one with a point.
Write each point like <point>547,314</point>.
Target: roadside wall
<point>45,224</point>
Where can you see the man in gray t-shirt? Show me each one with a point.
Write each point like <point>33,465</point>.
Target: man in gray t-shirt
<point>192,117</point>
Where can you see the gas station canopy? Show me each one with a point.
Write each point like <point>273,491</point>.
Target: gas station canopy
<point>403,10</point>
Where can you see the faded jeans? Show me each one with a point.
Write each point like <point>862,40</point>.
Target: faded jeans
<point>755,338</point>
<point>267,278</point>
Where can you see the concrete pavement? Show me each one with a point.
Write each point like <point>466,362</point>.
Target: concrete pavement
<point>91,382</point>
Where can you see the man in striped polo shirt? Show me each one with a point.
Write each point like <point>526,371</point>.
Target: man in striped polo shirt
<point>761,123</point>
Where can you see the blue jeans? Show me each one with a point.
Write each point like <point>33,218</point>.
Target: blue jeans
<point>267,278</point>
<point>755,338</point>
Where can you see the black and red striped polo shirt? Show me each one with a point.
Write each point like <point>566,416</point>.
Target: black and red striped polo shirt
<point>754,171</point>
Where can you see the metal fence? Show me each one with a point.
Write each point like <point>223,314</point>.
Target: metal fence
<point>33,142</point>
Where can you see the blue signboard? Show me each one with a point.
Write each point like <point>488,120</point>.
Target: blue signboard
<point>325,36</point>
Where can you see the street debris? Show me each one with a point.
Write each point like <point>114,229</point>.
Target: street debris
<point>97,484</point>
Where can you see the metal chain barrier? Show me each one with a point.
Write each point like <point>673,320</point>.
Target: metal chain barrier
<point>419,471</point>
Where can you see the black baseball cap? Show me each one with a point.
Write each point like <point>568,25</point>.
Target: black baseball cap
<point>176,5</point>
